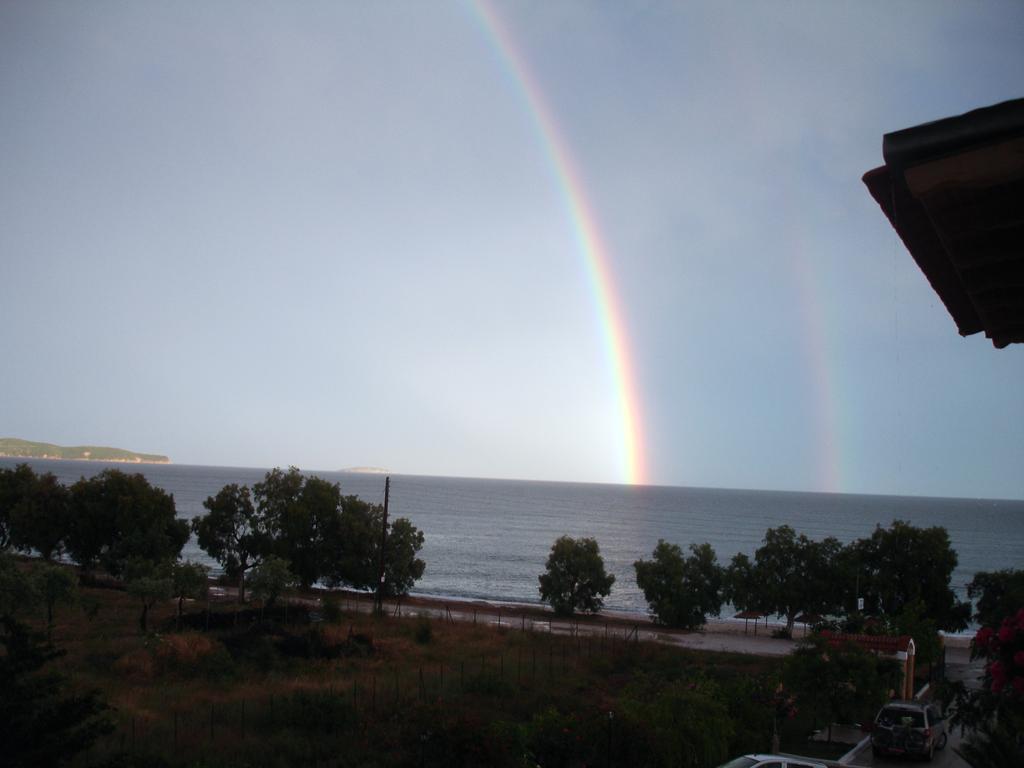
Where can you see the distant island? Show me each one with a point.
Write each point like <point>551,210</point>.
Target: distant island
<point>367,470</point>
<point>12,447</point>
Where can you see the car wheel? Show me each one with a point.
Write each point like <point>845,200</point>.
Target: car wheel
<point>943,740</point>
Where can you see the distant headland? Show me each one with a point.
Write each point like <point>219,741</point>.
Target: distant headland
<point>367,470</point>
<point>12,447</point>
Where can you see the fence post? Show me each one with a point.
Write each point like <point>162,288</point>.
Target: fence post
<point>474,617</point>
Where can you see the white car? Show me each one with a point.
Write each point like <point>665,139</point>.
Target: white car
<point>770,761</point>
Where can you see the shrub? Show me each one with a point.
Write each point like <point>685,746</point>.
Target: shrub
<point>332,609</point>
<point>424,631</point>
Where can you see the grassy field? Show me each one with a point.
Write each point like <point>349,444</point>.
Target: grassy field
<point>339,688</point>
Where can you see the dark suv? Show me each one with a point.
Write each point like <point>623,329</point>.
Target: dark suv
<point>908,728</point>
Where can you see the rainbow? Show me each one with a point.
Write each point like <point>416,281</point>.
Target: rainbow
<point>585,232</point>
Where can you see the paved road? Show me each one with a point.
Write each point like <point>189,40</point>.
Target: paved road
<point>958,667</point>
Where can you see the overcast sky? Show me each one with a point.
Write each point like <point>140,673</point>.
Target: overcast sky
<point>328,234</point>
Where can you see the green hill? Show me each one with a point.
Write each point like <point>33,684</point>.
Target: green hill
<point>26,449</point>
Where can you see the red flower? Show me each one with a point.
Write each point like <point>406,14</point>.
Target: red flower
<point>1006,633</point>
<point>1018,685</point>
<point>1018,659</point>
<point>982,638</point>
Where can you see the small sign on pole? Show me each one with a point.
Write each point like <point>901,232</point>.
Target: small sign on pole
<point>860,603</point>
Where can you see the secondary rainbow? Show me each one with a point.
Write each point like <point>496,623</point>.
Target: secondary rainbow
<point>586,233</point>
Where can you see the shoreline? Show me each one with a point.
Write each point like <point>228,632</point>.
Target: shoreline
<point>87,458</point>
<point>619,619</point>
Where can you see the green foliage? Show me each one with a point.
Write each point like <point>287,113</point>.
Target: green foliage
<point>839,684</point>
<point>302,513</point>
<point>913,621</point>
<point>424,631</point>
<point>354,552</point>
<point>232,533</point>
<point>19,591</point>
<point>150,583</point>
<point>1000,697</point>
<point>903,565</point>
<point>553,738</point>
<point>993,745</point>
<point>684,723</point>
<point>41,723</point>
<point>998,594</point>
<point>332,608</point>
<point>796,575</point>
<point>190,581</point>
<point>401,566</point>
<point>41,518</point>
<point>57,584</point>
<point>680,591</point>
<point>270,578</point>
<point>15,487</point>
<point>741,585</point>
<point>116,516</point>
<point>575,579</point>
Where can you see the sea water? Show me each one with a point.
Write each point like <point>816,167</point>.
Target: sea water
<point>489,539</point>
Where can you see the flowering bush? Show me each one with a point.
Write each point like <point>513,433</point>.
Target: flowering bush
<point>1003,648</point>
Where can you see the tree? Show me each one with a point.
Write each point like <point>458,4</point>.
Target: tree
<point>270,578</point>
<point>680,591</point>
<point>117,516</point>
<point>401,566</point>
<point>353,551</point>
<point>902,565</point>
<point>575,579</point>
<point>42,518</point>
<point>839,683</point>
<point>302,514</point>
<point>19,592</point>
<point>797,575</point>
<point>998,594</point>
<point>233,533</point>
<point>41,724</point>
<point>150,583</point>
<point>15,485</point>
<point>190,581</point>
<point>56,584</point>
<point>741,585</point>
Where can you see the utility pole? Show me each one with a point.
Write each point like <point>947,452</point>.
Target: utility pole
<point>379,602</point>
